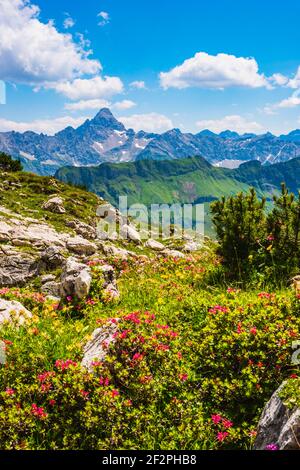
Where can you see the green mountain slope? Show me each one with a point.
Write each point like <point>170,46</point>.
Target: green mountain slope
<point>185,180</point>
<point>267,179</point>
<point>148,181</point>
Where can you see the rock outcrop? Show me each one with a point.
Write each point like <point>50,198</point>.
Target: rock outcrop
<point>82,229</point>
<point>16,269</point>
<point>25,231</point>
<point>278,426</point>
<point>81,246</point>
<point>52,257</point>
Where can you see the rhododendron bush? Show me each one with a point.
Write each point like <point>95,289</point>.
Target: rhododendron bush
<point>191,365</point>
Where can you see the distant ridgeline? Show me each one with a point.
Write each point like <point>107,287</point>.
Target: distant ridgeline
<point>189,180</point>
<point>184,180</point>
<point>104,139</point>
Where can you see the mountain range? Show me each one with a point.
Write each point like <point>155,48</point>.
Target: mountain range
<point>186,180</point>
<point>104,139</point>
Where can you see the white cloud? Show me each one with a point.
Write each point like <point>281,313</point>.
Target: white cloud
<point>220,71</point>
<point>279,79</point>
<point>98,104</point>
<point>33,52</point>
<point>87,104</point>
<point>292,101</point>
<point>152,122</point>
<point>234,123</point>
<point>46,126</point>
<point>125,104</point>
<point>89,89</point>
<point>104,18</point>
<point>68,22</point>
<point>288,103</point>
<point>139,84</point>
<point>295,82</point>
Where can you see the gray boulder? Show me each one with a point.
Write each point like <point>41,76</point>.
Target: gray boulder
<point>96,349</point>
<point>85,230</point>
<point>114,251</point>
<point>278,425</point>
<point>191,246</point>
<point>47,278</point>
<point>52,257</point>
<point>110,282</point>
<point>130,233</point>
<point>55,204</point>
<point>75,279</point>
<point>81,246</point>
<point>11,310</point>
<point>108,274</point>
<point>51,288</point>
<point>154,245</point>
<point>172,253</point>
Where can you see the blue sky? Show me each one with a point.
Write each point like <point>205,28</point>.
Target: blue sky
<point>157,64</point>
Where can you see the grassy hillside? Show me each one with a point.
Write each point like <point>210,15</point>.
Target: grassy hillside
<point>268,178</point>
<point>25,193</point>
<point>184,180</point>
<point>195,358</point>
<point>148,182</point>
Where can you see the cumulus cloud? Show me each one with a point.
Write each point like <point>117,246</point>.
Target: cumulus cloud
<point>98,104</point>
<point>233,122</point>
<point>151,122</point>
<point>279,79</point>
<point>45,126</point>
<point>290,102</point>
<point>139,84</point>
<point>220,71</point>
<point>68,22</point>
<point>87,104</point>
<point>295,82</point>
<point>125,104</point>
<point>32,52</point>
<point>104,18</point>
<point>89,88</point>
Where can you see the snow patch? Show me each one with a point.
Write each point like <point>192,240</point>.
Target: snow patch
<point>229,163</point>
<point>28,156</point>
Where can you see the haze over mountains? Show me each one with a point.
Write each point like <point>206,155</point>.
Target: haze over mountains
<point>105,139</point>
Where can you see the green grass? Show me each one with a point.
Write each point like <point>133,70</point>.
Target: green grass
<point>27,200</point>
<point>228,372</point>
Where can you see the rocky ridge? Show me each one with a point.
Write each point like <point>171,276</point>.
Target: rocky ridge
<point>105,139</point>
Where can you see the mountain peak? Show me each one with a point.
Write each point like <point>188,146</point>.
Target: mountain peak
<point>104,113</point>
<point>173,132</point>
<point>229,134</point>
<point>206,133</point>
<point>105,118</point>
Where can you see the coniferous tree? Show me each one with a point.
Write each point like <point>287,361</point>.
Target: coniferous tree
<point>8,164</point>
